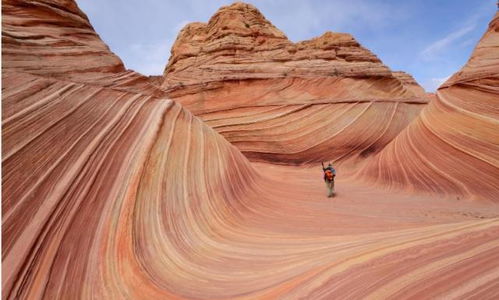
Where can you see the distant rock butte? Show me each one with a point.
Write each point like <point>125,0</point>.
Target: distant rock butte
<point>309,99</point>
<point>239,43</point>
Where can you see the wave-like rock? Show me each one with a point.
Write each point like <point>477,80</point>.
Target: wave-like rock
<point>74,156</point>
<point>113,194</point>
<point>110,195</point>
<point>453,146</point>
<point>329,86</point>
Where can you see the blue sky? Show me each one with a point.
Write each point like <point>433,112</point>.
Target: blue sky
<point>430,39</point>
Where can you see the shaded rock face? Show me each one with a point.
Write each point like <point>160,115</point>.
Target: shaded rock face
<point>461,125</point>
<point>331,85</point>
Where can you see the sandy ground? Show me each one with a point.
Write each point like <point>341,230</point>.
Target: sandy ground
<point>300,194</point>
<point>364,243</point>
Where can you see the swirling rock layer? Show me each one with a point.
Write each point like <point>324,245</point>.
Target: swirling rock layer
<point>108,193</point>
<point>239,62</point>
<point>55,38</point>
<point>453,146</point>
<point>112,195</point>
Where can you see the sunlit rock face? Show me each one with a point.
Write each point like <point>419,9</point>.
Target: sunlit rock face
<point>453,146</point>
<point>324,98</point>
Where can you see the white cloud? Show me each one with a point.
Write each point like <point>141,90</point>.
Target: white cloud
<point>307,19</point>
<point>439,81</point>
<point>434,83</point>
<point>436,48</point>
<point>456,38</point>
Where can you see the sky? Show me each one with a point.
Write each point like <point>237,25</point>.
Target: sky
<point>430,39</point>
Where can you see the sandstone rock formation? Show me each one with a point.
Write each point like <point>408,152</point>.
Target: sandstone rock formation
<point>453,146</point>
<point>108,193</point>
<point>74,156</point>
<point>410,83</point>
<point>99,201</point>
<point>304,97</point>
<point>55,38</point>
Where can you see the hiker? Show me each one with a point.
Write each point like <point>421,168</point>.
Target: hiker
<point>329,174</point>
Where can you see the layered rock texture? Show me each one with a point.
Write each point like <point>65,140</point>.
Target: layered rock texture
<point>288,102</point>
<point>87,170</point>
<point>453,146</point>
<point>55,38</point>
<point>112,191</point>
<point>410,83</point>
